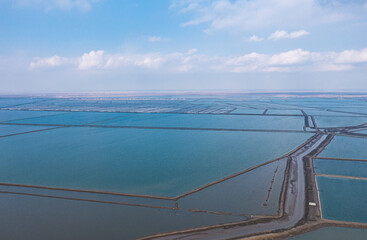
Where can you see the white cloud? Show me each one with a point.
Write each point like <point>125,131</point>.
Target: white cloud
<point>192,51</point>
<point>255,38</point>
<point>191,61</point>
<point>352,56</point>
<point>93,59</point>
<point>281,34</point>
<point>244,15</point>
<point>83,5</point>
<point>53,61</point>
<point>157,39</point>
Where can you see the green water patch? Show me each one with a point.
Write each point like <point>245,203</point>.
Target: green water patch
<point>333,233</point>
<point>339,121</point>
<point>28,217</point>
<point>8,115</point>
<point>346,147</point>
<point>6,130</point>
<point>244,194</point>
<point>210,121</point>
<point>137,161</point>
<point>338,167</point>
<point>343,199</point>
<point>77,118</point>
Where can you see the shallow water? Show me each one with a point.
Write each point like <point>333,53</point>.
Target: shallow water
<point>338,167</point>
<point>15,129</point>
<point>244,194</point>
<point>7,115</point>
<point>66,118</point>
<point>346,147</point>
<point>9,102</point>
<point>210,121</point>
<point>285,111</point>
<point>38,218</point>
<point>248,111</point>
<point>343,199</point>
<point>140,161</point>
<point>339,121</point>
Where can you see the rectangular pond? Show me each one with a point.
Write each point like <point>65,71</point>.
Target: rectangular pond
<point>343,199</point>
<point>210,121</point>
<point>138,161</point>
<point>6,130</point>
<point>339,167</point>
<point>8,115</point>
<point>72,118</point>
<point>339,121</point>
<point>244,194</point>
<point>29,217</point>
<point>346,147</point>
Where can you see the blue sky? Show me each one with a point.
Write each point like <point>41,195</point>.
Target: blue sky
<point>106,45</point>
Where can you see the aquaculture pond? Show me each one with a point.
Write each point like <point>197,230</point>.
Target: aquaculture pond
<point>339,121</point>
<point>6,130</point>
<point>282,111</point>
<point>260,189</point>
<point>43,218</point>
<point>8,115</point>
<point>210,121</point>
<point>339,167</point>
<point>71,118</point>
<point>139,161</point>
<point>343,199</point>
<point>346,147</point>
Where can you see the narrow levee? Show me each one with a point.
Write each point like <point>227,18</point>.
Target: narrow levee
<point>294,209</point>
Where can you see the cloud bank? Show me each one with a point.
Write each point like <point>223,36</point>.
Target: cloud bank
<point>278,35</point>
<point>192,61</point>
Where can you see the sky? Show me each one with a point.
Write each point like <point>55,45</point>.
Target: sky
<point>132,45</point>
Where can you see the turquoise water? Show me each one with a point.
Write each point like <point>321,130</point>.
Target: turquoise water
<point>290,112</point>
<point>339,121</point>
<point>326,113</point>
<point>141,161</point>
<point>38,218</point>
<point>8,102</point>
<point>248,110</point>
<point>337,167</point>
<point>333,233</point>
<point>209,121</point>
<point>346,147</point>
<point>244,194</point>
<point>7,115</point>
<point>90,196</point>
<point>343,199</point>
<point>72,118</point>
<point>14,129</point>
